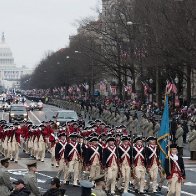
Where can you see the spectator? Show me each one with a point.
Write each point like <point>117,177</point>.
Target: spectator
<point>86,188</point>
<point>55,188</point>
<point>20,189</point>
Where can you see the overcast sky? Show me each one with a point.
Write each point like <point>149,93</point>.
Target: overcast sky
<point>33,27</point>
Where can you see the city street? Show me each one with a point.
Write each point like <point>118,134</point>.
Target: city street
<point>46,172</point>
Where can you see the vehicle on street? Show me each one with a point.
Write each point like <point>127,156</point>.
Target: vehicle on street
<point>39,105</point>
<point>32,105</point>
<point>64,116</point>
<point>18,113</point>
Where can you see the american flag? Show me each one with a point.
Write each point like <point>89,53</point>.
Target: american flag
<point>147,88</point>
<point>128,89</point>
<point>102,86</point>
<point>70,89</point>
<point>171,87</point>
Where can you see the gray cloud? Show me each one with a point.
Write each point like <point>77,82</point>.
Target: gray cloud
<point>32,27</point>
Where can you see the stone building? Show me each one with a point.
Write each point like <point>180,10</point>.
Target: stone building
<point>10,74</point>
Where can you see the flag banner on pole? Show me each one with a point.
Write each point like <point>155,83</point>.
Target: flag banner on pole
<point>164,133</point>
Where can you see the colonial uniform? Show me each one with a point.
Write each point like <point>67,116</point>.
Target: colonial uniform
<point>139,165</point>
<point>72,156</point>
<point>59,156</point>
<point>152,163</point>
<point>93,158</point>
<point>175,171</point>
<point>110,163</point>
<point>53,140</point>
<point>125,154</point>
<point>15,143</point>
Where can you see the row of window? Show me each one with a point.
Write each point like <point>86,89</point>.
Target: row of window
<point>5,54</point>
<point>6,61</point>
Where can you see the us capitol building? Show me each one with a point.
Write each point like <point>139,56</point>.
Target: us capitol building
<point>10,74</point>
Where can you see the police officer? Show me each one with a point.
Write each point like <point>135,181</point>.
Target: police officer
<point>5,182</point>
<point>31,179</point>
<point>99,186</point>
<point>179,138</point>
<point>192,142</point>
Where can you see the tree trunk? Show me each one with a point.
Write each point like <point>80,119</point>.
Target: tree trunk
<point>188,90</point>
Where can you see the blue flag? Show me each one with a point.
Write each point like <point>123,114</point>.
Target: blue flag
<point>164,133</point>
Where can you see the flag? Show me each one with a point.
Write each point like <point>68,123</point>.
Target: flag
<point>171,88</point>
<point>163,134</point>
<point>147,88</point>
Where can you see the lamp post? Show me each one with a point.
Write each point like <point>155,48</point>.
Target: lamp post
<point>151,91</point>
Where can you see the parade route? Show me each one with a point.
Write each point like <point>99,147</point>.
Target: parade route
<point>46,171</point>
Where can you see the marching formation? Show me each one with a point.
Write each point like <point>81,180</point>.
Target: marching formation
<point>78,150</point>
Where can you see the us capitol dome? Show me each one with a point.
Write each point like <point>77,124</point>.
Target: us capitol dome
<point>10,74</point>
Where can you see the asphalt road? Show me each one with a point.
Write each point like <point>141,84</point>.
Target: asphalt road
<point>46,172</point>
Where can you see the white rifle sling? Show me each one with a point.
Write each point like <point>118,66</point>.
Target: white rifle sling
<point>125,152</point>
<point>138,153</point>
<point>55,137</point>
<point>111,154</point>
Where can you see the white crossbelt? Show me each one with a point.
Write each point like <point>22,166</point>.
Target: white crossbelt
<point>177,165</point>
<point>125,151</point>
<point>139,153</point>
<point>95,152</point>
<point>63,146</point>
<point>73,149</point>
<point>111,154</point>
<point>153,152</point>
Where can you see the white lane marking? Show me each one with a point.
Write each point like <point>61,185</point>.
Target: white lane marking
<point>2,115</point>
<point>190,184</point>
<point>190,165</point>
<point>35,117</point>
<point>184,192</point>
<point>44,175</point>
<point>186,157</point>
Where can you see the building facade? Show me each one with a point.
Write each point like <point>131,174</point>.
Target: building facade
<point>10,74</point>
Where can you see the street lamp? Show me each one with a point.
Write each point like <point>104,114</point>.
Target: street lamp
<point>151,92</point>
<point>150,80</point>
<point>129,23</point>
<point>176,80</point>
